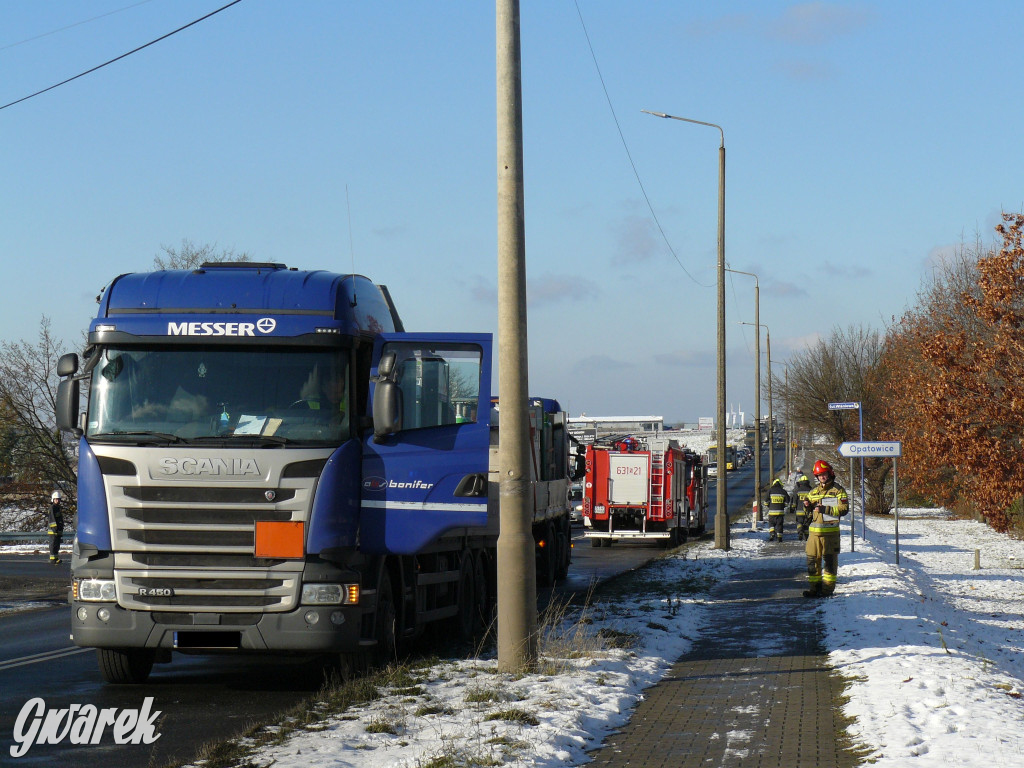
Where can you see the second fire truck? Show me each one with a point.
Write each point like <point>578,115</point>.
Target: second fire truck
<point>648,488</point>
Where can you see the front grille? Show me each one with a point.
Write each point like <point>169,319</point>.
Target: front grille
<point>200,494</point>
<point>208,516</point>
<point>218,591</point>
<point>198,538</point>
<point>190,548</point>
<point>194,560</point>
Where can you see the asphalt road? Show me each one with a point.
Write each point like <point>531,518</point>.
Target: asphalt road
<point>203,699</point>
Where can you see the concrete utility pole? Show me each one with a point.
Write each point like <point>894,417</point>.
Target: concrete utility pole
<point>721,493</point>
<point>517,578</point>
<point>771,415</point>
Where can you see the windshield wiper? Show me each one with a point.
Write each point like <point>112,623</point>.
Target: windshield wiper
<point>154,436</point>
<point>267,440</point>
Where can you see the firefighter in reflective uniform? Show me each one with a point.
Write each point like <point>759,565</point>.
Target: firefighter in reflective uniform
<point>800,491</point>
<point>778,502</point>
<point>56,529</point>
<point>826,504</point>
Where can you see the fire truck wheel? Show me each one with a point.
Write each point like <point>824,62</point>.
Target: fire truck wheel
<point>126,666</point>
<point>595,543</point>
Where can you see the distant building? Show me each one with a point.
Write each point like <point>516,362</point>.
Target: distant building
<point>587,429</point>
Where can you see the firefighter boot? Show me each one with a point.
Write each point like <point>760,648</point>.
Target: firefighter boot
<point>54,560</point>
<point>814,591</point>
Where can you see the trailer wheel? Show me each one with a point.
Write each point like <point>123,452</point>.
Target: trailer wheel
<point>595,543</point>
<point>125,666</point>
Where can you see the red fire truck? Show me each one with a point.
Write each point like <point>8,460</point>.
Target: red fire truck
<point>648,487</point>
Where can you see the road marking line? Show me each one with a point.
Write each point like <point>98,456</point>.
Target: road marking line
<point>38,657</point>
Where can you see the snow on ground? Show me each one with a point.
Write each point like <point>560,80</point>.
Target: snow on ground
<point>931,649</point>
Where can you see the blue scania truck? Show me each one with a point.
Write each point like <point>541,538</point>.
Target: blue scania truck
<point>269,463</point>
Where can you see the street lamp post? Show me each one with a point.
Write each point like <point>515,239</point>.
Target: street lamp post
<point>757,398</point>
<point>721,505</point>
<point>771,415</point>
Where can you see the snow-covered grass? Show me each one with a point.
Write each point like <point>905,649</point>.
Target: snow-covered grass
<point>931,650</point>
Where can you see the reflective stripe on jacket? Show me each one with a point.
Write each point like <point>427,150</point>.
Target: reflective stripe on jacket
<point>778,499</point>
<point>828,520</point>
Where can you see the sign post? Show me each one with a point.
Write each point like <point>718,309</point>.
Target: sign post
<point>881,448</point>
<point>850,406</point>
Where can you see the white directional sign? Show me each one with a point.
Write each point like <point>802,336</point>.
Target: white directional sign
<point>843,406</point>
<point>891,449</point>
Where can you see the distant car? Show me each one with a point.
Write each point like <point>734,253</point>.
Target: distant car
<point>576,503</point>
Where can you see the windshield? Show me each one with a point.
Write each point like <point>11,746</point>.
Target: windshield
<point>198,393</point>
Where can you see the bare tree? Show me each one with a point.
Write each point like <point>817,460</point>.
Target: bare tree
<point>841,368</point>
<point>35,452</point>
<point>191,256</point>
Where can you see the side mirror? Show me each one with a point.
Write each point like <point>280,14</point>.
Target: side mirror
<point>387,410</point>
<point>67,406</point>
<point>67,365</point>
<point>386,365</point>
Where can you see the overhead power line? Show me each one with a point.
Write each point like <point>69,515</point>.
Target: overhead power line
<point>72,26</point>
<point>625,146</point>
<point>122,56</point>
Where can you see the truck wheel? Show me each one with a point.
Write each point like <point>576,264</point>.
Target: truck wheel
<point>385,622</point>
<point>595,543</point>
<point>125,666</point>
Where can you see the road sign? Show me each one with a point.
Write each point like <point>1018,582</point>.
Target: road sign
<point>891,449</point>
<point>843,406</point>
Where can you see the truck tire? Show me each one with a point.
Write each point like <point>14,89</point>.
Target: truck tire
<point>125,666</point>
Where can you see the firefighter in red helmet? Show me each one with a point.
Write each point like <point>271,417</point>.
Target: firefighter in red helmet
<point>826,504</point>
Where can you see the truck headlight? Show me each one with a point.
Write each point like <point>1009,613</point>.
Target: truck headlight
<point>97,590</point>
<point>330,594</point>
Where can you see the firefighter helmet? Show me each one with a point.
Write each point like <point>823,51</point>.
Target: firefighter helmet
<point>56,496</point>
<point>803,479</point>
<point>824,468</point>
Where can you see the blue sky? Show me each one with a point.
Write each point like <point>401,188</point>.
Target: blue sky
<point>864,140</point>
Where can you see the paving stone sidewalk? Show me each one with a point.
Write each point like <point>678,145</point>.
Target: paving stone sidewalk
<point>753,691</point>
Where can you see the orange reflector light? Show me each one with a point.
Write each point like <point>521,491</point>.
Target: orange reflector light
<point>352,596</point>
<point>275,539</point>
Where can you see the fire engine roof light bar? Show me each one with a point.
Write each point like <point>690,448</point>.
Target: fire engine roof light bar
<point>721,505</point>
